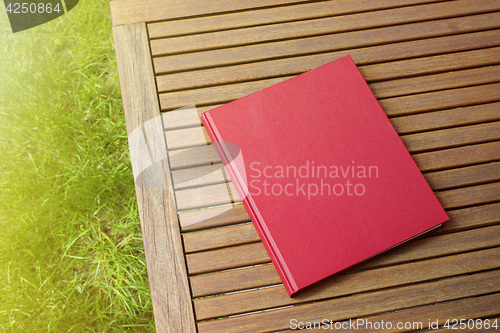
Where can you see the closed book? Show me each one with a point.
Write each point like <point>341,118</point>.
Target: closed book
<point>323,174</point>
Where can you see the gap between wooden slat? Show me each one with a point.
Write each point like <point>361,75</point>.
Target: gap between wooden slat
<point>391,69</point>
<point>483,97</point>
<point>255,253</point>
<point>265,275</point>
<point>363,281</point>
<point>422,124</point>
<point>474,307</point>
<point>327,43</point>
<point>216,174</point>
<point>245,233</point>
<point>226,193</point>
<point>268,16</point>
<point>432,161</point>
<point>485,91</point>
<point>382,89</point>
<point>321,26</point>
<point>364,304</point>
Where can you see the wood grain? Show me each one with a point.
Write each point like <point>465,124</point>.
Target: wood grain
<point>436,160</point>
<point>326,43</point>
<point>297,12</point>
<point>403,59</point>
<point>440,180</point>
<point>225,193</point>
<point>363,304</point>
<point>213,217</point>
<point>320,26</point>
<point>160,229</point>
<point>358,282</point>
<point>220,237</point>
<point>266,275</point>
<point>245,233</point>
<point>461,116</point>
<point>215,173</point>
<point>197,136</point>
<point>254,254</point>
<point>456,157</point>
<point>386,89</point>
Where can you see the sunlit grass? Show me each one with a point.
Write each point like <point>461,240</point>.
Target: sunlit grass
<point>71,253</point>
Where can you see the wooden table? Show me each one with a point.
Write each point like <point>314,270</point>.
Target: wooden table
<point>435,68</point>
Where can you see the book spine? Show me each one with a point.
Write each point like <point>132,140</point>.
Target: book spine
<point>285,276</point>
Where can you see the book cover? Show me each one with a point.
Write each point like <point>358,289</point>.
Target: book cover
<point>323,174</point>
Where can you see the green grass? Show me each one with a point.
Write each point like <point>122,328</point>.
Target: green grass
<point>71,252</point>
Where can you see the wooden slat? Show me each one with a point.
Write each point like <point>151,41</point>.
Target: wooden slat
<point>213,217</point>
<point>198,156</point>
<point>215,174</point>
<point>433,82</point>
<point>436,160</point>
<point>301,11</point>
<point>386,277</point>
<point>362,304</point>
<point>200,176</point>
<point>392,88</point>
<point>167,274</point>
<point>469,196</point>
<point>245,233</point>
<point>439,100</point>
<point>240,234</point>
<point>206,196</point>
<point>447,118</point>
<point>184,117</point>
<point>472,175</point>
<point>129,11</point>
<point>234,235</point>
<point>439,180</point>
<point>380,62</point>
<point>452,137</point>
<point>254,254</point>
<point>226,193</point>
<point>197,136</point>
<point>456,157</point>
<point>320,26</point>
<point>483,39</point>
<point>234,280</point>
<point>220,237</point>
<point>232,257</point>
<point>188,137</point>
<point>265,275</point>
<point>327,43</point>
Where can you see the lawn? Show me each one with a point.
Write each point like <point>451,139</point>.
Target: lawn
<point>71,252</point>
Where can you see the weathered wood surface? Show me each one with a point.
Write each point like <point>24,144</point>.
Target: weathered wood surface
<point>160,230</point>
<point>435,68</point>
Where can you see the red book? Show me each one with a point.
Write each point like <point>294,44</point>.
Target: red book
<point>322,172</point>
